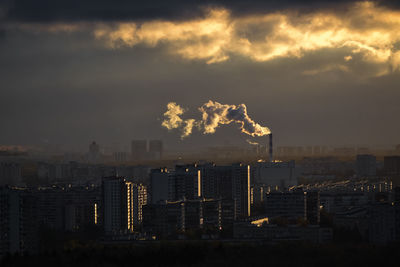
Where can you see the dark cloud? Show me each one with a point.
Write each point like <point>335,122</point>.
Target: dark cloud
<point>2,34</point>
<point>84,10</point>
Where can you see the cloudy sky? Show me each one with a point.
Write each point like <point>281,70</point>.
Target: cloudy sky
<point>313,72</point>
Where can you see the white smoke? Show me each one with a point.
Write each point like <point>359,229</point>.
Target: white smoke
<point>187,129</point>
<point>213,115</point>
<point>173,119</point>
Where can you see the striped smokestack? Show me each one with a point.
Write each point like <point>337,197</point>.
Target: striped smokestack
<point>271,156</point>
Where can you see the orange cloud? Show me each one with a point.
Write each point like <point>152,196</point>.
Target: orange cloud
<point>364,31</point>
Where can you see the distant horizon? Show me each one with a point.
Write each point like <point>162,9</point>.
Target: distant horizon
<point>244,145</point>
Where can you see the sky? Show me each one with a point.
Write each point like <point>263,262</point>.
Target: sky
<point>313,72</point>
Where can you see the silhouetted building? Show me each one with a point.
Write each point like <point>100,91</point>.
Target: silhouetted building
<point>117,204</point>
<point>185,182</point>
<point>159,185</point>
<point>94,152</point>
<point>139,200</point>
<point>274,175</point>
<point>228,213</point>
<point>212,179</point>
<point>74,172</point>
<point>50,207</point>
<point>334,201</point>
<point>258,193</point>
<point>384,223</point>
<point>290,205</point>
<point>325,165</point>
<point>18,221</point>
<point>392,165</point>
<point>218,213</point>
<point>396,195</point>
<point>228,182</point>
<point>192,215</point>
<point>366,165</point>
<point>81,207</point>
<point>10,174</point>
<point>163,219</point>
<point>68,209</point>
<point>172,217</point>
<point>211,212</point>
<point>313,207</point>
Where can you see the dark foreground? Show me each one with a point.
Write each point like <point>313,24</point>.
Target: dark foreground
<point>216,253</point>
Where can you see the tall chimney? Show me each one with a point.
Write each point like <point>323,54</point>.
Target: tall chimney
<point>271,156</point>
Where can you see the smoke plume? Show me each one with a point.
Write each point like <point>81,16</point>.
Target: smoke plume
<point>172,115</point>
<point>213,114</point>
<point>173,120</point>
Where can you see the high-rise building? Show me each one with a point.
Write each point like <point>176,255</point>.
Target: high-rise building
<point>186,182</point>
<point>218,213</point>
<point>392,165</point>
<point>139,200</point>
<point>241,189</point>
<point>50,207</point>
<point>290,205</point>
<point>211,213</point>
<point>366,165</point>
<point>18,221</point>
<point>192,214</point>
<point>80,207</point>
<point>139,149</point>
<point>228,182</point>
<point>163,219</point>
<point>94,152</point>
<point>117,205</point>
<point>210,180</point>
<point>384,223</point>
<point>170,217</point>
<point>275,175</point>
<point>313,207</point>
<point>159,185</point>
<point>10,174</point>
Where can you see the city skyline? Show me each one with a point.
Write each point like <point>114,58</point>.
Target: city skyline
<point>199,133</point>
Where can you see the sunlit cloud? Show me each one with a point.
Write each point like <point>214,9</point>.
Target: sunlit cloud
<point>327,68</point>
<point>364,32</point>
<point>365,29</point>
<point>203,39</point>
<point>348,58</point>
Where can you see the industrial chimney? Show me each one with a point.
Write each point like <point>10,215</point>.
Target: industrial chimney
<point>271,158</point>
